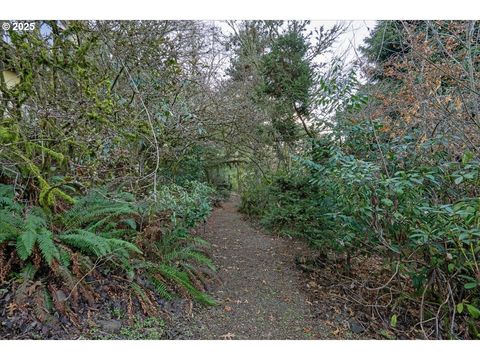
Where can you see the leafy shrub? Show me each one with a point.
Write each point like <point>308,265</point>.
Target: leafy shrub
<point>255,198</point>
<point>174,255</point>
<point>188,204</point>
<point>424,216</point>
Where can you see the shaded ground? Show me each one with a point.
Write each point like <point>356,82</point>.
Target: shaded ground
<point>260,289</point>
<point>264,290</point>
<point>267,287</point>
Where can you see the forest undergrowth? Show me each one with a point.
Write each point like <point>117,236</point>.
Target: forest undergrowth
<point>117,138</point>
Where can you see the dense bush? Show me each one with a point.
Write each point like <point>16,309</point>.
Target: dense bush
<point>101,169</point>
<point>286,204</point>
<point>393,171</point>
<point>423,217</point>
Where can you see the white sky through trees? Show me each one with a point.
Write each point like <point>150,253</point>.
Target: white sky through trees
<point>347,43</point>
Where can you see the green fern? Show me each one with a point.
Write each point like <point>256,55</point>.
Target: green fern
<point>65,258</point>
<point>7,196</point>
<point>28,272</point>
<point>28,233</point>
<point>122,245</point>
<point>47,246</point>
<point>103,225</point>
<point>161,288</point>
<point>97,209</point>
<point>25,243</point>
<point>181,278</point>
<point>97,245</point>
<point>11,223</point>
<point>202,259</point>
<point>86,241</point>
<point>189,253</point>
<point>139,292</point>
<point>10,226</point>
<point>172,273</point>
<point>197,240</point>
<point>33,229</point>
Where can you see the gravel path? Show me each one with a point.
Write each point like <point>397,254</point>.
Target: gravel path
<point>259,290</point>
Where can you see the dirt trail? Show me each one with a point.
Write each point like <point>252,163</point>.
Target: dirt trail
<point>259,292</point>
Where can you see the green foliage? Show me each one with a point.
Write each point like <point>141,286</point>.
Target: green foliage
<point>34,229</point>
<point>174,268</point>
<point>188,204</point>
<point>377,183</point>
<point>47,247</point>
<point>182,278</point>
<point>287,79</point>
<point>344,204</point>
<point>150,328</point>
<point>178,257</point>
<point>103,226</point>
<point>96,245</point>
<point>25,231</point>
<point>11,225</point>
<point>101,211</point>
<point>254,199</point>
<point>287,206</point>
<point>287,75</point>
<point>385,41</point>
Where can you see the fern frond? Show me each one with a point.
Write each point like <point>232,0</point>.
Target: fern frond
<point>86,241</point>
<point>201,259</point>
<point>161,288</point>
<point>182,279</point>
<point>117,244</point>
<point>96,209</point>
<point>28,272</point>
<point>47,246</point>
<point>25,244</point>
<point>34,230</point>
<point>139,291</point>
<point>189,253</point>
<point>65,258</point>
<point>197,240</point>
<point>94,244</point>
<point>10,225</point>
<point>7,196</point>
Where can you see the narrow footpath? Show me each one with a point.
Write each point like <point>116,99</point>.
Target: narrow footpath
<point>259,287</point>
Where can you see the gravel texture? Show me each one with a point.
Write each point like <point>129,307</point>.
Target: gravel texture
<point>260,290</point>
